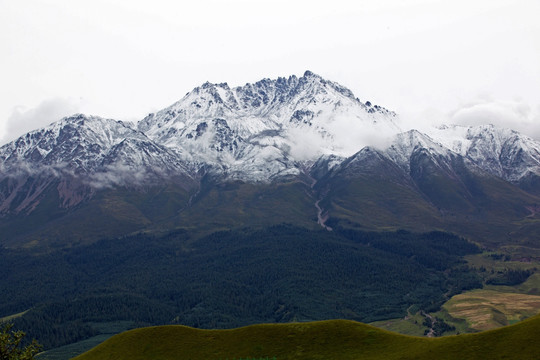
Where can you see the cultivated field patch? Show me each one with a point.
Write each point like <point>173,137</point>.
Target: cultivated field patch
<point>488,309</point>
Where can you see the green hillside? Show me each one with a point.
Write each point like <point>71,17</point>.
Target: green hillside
<point>335,339</point>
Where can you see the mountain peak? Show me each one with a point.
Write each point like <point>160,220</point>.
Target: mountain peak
<point>309,73</point>
<point>503,152</point>
<point>209,85</point>
<point>310,105</point>
<point>77,142</point>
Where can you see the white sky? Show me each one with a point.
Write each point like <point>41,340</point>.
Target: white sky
<point>465,61</point>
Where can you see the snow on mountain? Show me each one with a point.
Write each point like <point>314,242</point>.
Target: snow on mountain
<point>101,151</point>
<point>405,144</point>
<point>501,152</point>
<point>259,132</point>
<point>78,142</point>
<point>263,129</point>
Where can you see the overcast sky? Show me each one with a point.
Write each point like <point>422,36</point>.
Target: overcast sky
<point>462,61</point>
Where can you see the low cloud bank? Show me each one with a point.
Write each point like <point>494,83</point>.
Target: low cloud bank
<point>516,115</point>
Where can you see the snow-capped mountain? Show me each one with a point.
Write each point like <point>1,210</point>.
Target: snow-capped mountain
<point>259,131</point>
<point>501,152</point>
<point>78,155</point>
<point>405,144</point>
<point>305,131</point>
<point>78,143</point>
<point>92,148</point>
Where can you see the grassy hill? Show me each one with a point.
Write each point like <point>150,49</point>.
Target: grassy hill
<point>334,339</point>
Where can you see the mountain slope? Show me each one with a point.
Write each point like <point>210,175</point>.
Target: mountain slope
<point>501,152</point>
<point>80,153</point>
<point>85,177</point>
<point>299,149</point>
<point>416,183</point>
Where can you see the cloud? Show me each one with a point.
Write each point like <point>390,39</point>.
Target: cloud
<point>351,134</point>
<point>343,135</point>
<point>22,169</point>
<point>23,120</point>
<point>515,115</point>
<point>122,174</point>
<point>304,144</point>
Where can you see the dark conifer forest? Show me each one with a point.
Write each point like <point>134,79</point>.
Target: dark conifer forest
<point>227,279</point>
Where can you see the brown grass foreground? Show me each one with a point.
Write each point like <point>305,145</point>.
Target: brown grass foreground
<point>333,339</point>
